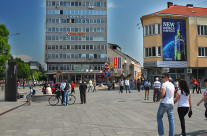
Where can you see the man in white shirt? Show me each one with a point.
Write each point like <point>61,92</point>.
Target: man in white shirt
<point>127,85</point>
<point>65,86</point>
<point>166,105</point>
<point>156,88</point>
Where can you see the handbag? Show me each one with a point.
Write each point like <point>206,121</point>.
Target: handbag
<point>190,113</point>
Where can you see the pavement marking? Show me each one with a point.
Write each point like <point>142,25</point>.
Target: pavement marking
<point>13,109</point>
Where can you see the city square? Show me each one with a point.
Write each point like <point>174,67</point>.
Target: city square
<point>106,113</point>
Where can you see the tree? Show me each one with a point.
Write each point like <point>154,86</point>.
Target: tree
<point>4,49</point>
<point>23,70</point>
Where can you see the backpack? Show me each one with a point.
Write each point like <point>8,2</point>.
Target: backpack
<point>34,92</point>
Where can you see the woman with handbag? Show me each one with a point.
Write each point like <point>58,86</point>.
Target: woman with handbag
<point>183,97</point>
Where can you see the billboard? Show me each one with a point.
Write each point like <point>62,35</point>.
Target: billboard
<point>115,62</point>
<point>174,39</point>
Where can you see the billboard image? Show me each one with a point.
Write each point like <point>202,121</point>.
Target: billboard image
<point>174,39</point>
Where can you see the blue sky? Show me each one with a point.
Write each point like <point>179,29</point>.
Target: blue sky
<point>27,18</point>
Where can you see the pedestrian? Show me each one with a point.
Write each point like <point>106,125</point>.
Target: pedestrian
<point>199,86</point>
<point>45,87</point>
<point>156,89</point>
<point>72,87</point>
<point>127,85</point>
<point>183,97</point>
<point>82,89</point>
<point>142,83</point>
<point>166,105</point>
<point>135,83</point>
<point>204,98</point>
<point>23,83</point>
<point>90,84</point>
<point>147,85</point>
<point>138,84</point>
<point>94,86</point>
<point>195,85</point>
<point>65,86</point>
<point>176,87</point>
<point>121,84</point>
<point>18,84</point>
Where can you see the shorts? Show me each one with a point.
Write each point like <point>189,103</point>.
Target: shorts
<point>146,87</point>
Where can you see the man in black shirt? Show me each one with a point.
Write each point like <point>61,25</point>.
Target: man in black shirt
<point>82,89</point>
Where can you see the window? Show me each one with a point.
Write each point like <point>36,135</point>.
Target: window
<point>91,47</point>
<point>202,51</point>
<point>91,55</point>
<point>87,47</point>
<point>83,47</point>
<point>83,55</point>
<point>68,47</point>
<point>152,29</point>
<point>61,11</point>
<point>152,52</point>
<point>202,30</point>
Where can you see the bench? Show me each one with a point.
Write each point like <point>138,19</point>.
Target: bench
<point>41,97</point>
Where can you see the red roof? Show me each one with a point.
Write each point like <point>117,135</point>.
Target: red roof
<point>183,10</point>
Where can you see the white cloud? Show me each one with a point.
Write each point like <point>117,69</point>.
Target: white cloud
<point>24,57</point>
<point>111,5</point>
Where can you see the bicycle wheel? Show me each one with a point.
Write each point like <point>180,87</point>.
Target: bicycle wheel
<point>72,99</point>
<point>53,100</point>
<point>29,97</point>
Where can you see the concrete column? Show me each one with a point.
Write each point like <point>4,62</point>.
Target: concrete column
<point>94,76</point>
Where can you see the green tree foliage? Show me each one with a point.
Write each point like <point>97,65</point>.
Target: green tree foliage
<point>23,70</point>
<point>37,75</point>
<point>4,49</point>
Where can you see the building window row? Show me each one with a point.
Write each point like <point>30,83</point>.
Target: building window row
<point>202,51</point>
<point>152,29</point>
<point>73,3</point>
<point>70,29</point>
<point>152,52</point>
<point>80,21</point>
<point>80,67</point>
<point>76,56</point>
<point>75,38</point>
<point>202,29</point>
<point>76,12</point>
<point>76,47</point>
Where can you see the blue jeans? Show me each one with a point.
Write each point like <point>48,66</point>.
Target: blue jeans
<point>66,97</point>
<point>162,109</point>
<point>90,88</point>
<point>127,88</point>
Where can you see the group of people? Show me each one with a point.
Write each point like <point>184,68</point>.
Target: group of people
<point>183,97</point>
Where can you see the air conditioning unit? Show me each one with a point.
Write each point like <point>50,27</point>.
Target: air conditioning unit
<point>189,70</point>
<point>91,7</point>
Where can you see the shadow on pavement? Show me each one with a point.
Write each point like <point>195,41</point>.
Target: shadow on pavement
<point>196,133</point>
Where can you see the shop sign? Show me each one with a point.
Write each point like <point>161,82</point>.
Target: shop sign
<point>175,64</point>
<point>119,72</point>
<point>115,71</point>
<point>115,62</point>
<point>77,34</point>
<point>75,16</point>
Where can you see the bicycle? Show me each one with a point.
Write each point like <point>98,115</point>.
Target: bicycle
<point>54,100</point>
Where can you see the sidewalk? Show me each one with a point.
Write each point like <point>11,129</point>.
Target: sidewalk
<point>106,113</point>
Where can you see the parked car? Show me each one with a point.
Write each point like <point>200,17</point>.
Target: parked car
<point>52,87</point>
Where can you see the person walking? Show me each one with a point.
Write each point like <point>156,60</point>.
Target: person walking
<point>156,89</point>
<point>82,89</point>
<point>138,84</point>
<point>176,87</point>
<point>127,85</point>
<point>166,105</point>
<point>199,86</point>
<point>94,86</point>
<point>183,97</point>
<point>142,83</point>
<point>135,83</point>
<point>204,98</point>
<point>72,87</point>
<point>147,85</point>
<point>65,86</point>
<point>195,85</point>
<point>121,84</point>
<point>90,84</point>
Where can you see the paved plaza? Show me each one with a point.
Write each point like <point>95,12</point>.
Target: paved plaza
<point>106,113</point>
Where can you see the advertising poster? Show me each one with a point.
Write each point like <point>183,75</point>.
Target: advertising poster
<point>174,39</point>
<point>115,62</point>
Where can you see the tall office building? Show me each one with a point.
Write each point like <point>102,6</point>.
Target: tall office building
<point>75,39</point>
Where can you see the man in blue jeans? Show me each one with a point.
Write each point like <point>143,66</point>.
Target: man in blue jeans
<point>166,105</point>
<point>65,86</point>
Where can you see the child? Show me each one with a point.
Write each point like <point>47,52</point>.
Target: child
<point>204,98</point>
